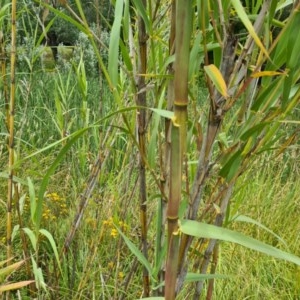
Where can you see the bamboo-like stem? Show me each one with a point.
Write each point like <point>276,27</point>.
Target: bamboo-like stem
<point>178,139</point>
<point>165,155</point>
<point>32,286</point>
<point>214,123</point>
<point>211,282</point>
<point>229,68</point>
<point>141,129</point>
<point>4,78</point>
<point>172,214</point>
<point>11,134</point>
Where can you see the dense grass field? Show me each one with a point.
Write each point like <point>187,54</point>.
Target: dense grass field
<point>156,157</point>
<point>99,265</point>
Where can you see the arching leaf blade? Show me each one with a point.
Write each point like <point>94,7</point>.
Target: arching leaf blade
<point>202,230</point>
<point>247,23</point>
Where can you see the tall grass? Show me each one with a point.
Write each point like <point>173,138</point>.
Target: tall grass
<point>93,179</point>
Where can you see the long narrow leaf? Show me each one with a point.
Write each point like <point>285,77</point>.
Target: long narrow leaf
<point>10,268</point>
<point>113,57</point>
<point>164,113</point>
<point>32,199</point>
<point>208,231</point>
<point>242,218</point>
<point>245,20</point>
<point>50,238</point>
<point>31,236</point>
<point>142,12</point>
<point>64,16</point>
<point>14,286</point>
<point>193,277</point>
<point>139,255</point>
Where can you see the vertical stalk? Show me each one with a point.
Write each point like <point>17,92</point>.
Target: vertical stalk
<point>99,32</point>
<point>226,192</point>
<point>172,214</point>
<point>11,135</point>
<point>165,155</point>
<point>141,124</point>
<point>4,77</point>
<point>178,139</point>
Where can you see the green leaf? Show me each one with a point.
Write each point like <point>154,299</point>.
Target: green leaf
<point>67,18</point>
<point>126,57</point>
<point>142,12</point>
<point>38,275</point>
<point>222,137</point>
<point>293,45</point>
<point>3,12</point>
<point>152,148</point>
<point>270,93</point>
<point>32,200</point>
<point>245,20</point>
<point>202,230</point>
<point>256,129</point>
<point>31,236</point>
<point>195,56</point>
<point>113,52</point>
<point>231,167</point>
<point>288,83</point>
<point>139,255</point>
<point>164,113</point>
<point>50,238</point>
<point>242,218</point>
<point>192,277</point>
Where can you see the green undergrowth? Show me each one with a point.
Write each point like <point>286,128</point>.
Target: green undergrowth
<point>99,263</point>
<point>270,198</point>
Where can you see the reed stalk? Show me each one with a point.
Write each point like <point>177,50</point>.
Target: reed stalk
<point>178,140</point>
<point>9,250</point>
<point>166,153</point>
<point>141,129</point>
<point>4,77</point>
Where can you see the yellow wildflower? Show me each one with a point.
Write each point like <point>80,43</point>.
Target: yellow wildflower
<point>114,233</point>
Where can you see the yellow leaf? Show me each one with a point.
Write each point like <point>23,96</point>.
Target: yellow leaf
<point>267,73</point>
<point>14,286</point>
<point>215,75</point>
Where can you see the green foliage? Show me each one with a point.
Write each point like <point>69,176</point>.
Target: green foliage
<point>208,231</point>
<point>79,156</point>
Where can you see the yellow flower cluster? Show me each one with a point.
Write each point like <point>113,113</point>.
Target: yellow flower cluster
<point>113,231</point>
<point>54,206</point>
